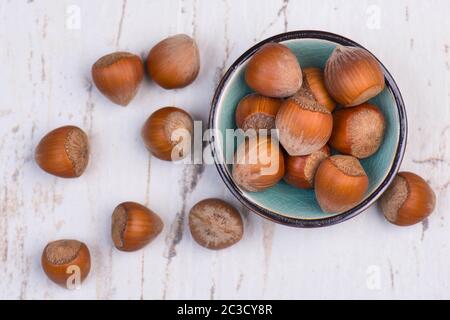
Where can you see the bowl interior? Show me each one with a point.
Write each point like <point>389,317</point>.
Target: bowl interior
<point>283,199</point>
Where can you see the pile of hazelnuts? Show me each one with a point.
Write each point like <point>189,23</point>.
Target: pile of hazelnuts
<point>64,152</point>
<point>316,111</point>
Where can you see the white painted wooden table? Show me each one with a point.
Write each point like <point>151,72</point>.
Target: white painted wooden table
<point>46,50</point>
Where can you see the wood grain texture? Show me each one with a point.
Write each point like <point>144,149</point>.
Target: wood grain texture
<point>45,83</point>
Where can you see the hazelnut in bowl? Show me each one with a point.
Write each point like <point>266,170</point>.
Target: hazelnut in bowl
<point>308,128</point>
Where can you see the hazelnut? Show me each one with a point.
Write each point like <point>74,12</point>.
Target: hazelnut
<point>63,152</point>
<point>118,76</point>
<point>408,200</point>
<point>314,88</point>
<point>167,133</point>
<point>66,262</point>
<point>259,164</point>
<point>358,131</point>
<point>304,125</point>
<point>353,76</point>
<point>257,112</point>
<point>274,71</point>
<point>215,224</point>
<point>340,183</point>
<point>134,226</point>
<point>174,62</point>
<point>300,170</point>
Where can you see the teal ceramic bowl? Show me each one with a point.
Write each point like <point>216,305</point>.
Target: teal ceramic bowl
<point>283,203</point>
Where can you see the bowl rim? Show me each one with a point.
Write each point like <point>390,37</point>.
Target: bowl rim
<point>300,222</point>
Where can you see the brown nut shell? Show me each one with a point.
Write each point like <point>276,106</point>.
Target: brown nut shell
<point>340,183</point>
<point>358,131</point>
<point>408,200</point>
<point>259,164</point>
<point>215,224</point>
<point>118,76</point>
<point>66,262</point>
<point>353,76</point>
<point>257,112</point>
<point>63,152</point>
<point>274,71</point>
<point>314,87</point>
<point>304,126</point>
<point>174,62</point>
<point>300,170</point>
<point>134,226</point>
<point>168,133</point>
